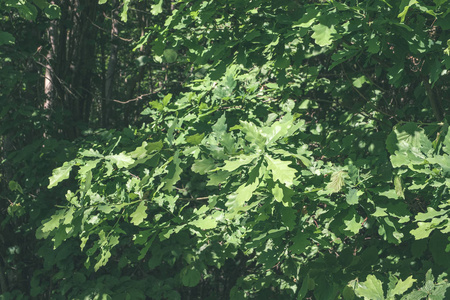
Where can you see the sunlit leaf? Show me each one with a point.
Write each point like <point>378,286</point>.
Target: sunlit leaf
<point>370,289</point>
<point>337,181</point>
<point>140,214</point>
<point>280,170</point>
<point>174,172</point>
<point>402,286</point>
<point>121,160</point>
<point>205,223</point>
<point>60,174</point>
<point>323,35</point>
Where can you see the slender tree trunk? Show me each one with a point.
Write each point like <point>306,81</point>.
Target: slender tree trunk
<point>49,88</point>
<point>109,80</point>
<point>69,80</point>
<point>3,285</point>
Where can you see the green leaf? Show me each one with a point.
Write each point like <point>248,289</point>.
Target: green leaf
<point>52,12</point>
<point>102,1</point>
<point>167,99</point>
<point>242,160</point>
<point>190,277</point>
<point>195,139</point>
<point>373,45</point>
<point>60,174</point>
<point>26,10</point>
<point>352,197</point>
<point>337,181</point>
<point>423,230</point>
<point>90,164</point>
<point>157,8</point>
<point>399,187</point>
<point>6,38</point>
<point>371,289</point>
<point>300,243</point>
<point>353,225</point>
<point>41,3</point>
<point>139,214</point>
<point>90,153</point>
<point>439,2</point>
<point>288,217</point>
<point>402,286</point>
<point>242,195</point>
<point>121,160</point>
<point>280,170</point>
<point>282,194</point>
<point>380,212</point>
<point>253,134</point>
<point>14,186</point>
<point>174,172</point>
<point>205,223</point>
<point>304,288</point>
<point>404,7</point>
<point>348,293</point>
<point>54,221</point>
<point>217,178</point>
<point>323,34</point>
<point>358,82</point>
<point>170,55</point>
<point>220,127</point>
<point>203,165</point>
<point>430,214</point>
<point>124,13</point>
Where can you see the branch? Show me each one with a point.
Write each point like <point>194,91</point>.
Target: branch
<point>137,98</point>
<point>194,199</point>
<point>115,35</point>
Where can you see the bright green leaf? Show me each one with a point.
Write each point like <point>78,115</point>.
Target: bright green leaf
<point>371,289</point>
<point>402,286</point>
<point>139,215</point>
<point>352,197</point>
<point>423,231</point>
<point>337,181</point>
<point>170,55</point>
<point>174,172</point>
<point>54,221</point>
<point>205,223</point>
<point>60,174</point>
<point>121,160</point>
<point>399,187</point>
<point>323,35</point>
<point>157,8</point>
<point>280,170</point>
<point>204,165</point>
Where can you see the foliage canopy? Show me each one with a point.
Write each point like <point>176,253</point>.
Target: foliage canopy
<point>259,149</point>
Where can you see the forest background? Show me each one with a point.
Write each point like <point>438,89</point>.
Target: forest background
<point>224,149</point>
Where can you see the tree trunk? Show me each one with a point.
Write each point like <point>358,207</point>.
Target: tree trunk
<point>111,66</point>
<point>71,63</point>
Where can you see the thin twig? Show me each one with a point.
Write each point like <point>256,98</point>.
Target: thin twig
<point>115,35</point>
<point>137,98</point>
<point>194,199</point>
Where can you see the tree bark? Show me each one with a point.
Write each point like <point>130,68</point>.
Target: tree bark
<point>71,63</point>
<point>111,66</point>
